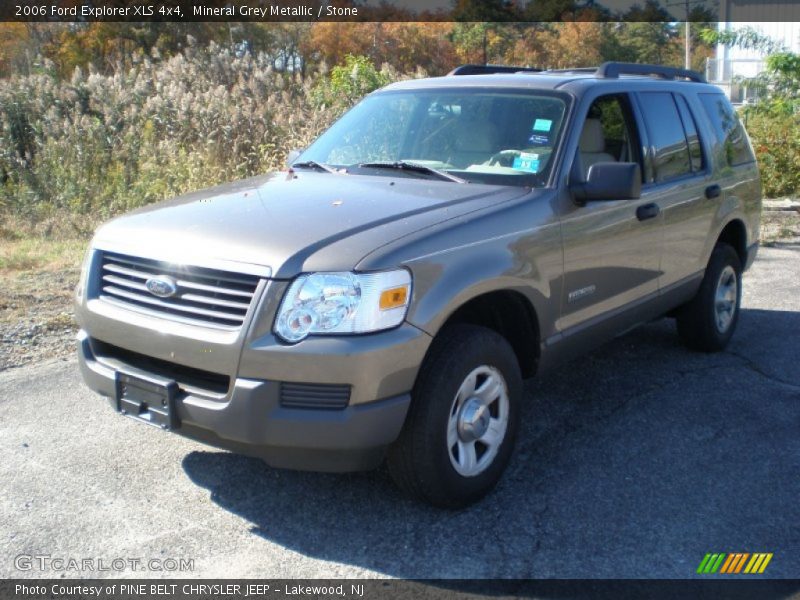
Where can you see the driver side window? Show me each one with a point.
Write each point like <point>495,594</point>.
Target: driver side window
<point>608,134</point>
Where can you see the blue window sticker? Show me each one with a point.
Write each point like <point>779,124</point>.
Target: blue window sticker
<point>537,139</point>
<point>526,162</point>
<point>542,125</point>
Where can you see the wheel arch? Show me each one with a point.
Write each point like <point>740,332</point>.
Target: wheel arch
<point>509,313</point>
<point>734,233</point>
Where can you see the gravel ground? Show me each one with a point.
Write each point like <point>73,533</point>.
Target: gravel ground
<point>36,321</point>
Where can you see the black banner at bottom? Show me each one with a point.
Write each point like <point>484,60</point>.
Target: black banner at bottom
<point>330,589</point>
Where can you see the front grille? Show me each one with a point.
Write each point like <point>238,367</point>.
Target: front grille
<point>314,395</point>
<point>188,378</point>
<point>209,296</point>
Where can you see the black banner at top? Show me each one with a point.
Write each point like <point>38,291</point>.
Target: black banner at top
<point>397,10</point>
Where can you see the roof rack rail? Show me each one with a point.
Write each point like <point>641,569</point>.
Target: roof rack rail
<point>612,70</point>
<point>489,69</point>
<point>573,70</point>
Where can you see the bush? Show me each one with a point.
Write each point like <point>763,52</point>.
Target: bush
<point>350,82</point>
<point>73,153</point>
<point>776,141</point>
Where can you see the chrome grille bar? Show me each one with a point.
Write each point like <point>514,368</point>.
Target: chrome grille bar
<point>209,296</point>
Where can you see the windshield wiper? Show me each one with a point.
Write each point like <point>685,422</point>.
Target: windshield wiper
<point>312,164</point>
<point>404,165</point>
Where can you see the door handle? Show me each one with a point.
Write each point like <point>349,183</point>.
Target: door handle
<point>713,191</point>
<point>647,211</point>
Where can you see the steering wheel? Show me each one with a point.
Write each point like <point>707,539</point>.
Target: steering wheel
<point>504,158</point>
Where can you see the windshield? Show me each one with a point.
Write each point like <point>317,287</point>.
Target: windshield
<point>506,138</point>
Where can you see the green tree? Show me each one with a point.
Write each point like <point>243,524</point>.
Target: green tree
<point>471,41</point>
<point>483,11</point>
<point>349,82</point>
<point>644,42</point>
<point>548,10</point>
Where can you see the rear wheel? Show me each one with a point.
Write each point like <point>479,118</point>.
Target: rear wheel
<point>707,322</point>
<point>460,431</point>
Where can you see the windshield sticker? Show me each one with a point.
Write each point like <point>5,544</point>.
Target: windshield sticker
<point>537,139</point>
<point>542,125</point>
<point>526,162</point>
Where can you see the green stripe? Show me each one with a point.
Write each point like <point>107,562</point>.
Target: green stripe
<point>710,563</point>
<point>703,563</point>
<point>718,563</point>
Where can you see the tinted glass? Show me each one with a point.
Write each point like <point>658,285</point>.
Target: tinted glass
<point>665,130</point>
<point>616,140</point>
<point>498,137</point>
<point>734,147</point>
<point>690,128</point>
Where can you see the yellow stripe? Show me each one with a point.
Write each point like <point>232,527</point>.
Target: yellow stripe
<point>728,561</point>
<point>761,556</point>
<point>756,558</point>
<point>765,563</point>
<point>741,562</point>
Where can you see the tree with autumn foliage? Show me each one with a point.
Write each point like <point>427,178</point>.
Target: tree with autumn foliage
<point>406,46</point>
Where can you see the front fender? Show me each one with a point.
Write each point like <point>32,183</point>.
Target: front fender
<point>526,262</point>
<point>512,246</point>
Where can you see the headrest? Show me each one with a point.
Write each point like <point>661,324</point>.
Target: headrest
<point>592,139</point>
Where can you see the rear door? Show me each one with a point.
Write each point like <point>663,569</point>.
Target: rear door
<point>679,180</point>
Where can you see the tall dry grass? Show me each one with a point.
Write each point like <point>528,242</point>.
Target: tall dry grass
<point>74,153</point>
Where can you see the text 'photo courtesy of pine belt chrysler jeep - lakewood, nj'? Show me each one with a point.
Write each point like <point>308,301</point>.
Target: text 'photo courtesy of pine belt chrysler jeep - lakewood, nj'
<point>384,297</point>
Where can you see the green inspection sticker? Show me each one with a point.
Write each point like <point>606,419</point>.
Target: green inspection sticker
<point>542,125</point>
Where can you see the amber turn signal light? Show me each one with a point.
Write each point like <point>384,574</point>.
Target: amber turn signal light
<point>393,298</point>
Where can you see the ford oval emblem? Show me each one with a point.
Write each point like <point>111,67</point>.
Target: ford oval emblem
<point>162,286</point>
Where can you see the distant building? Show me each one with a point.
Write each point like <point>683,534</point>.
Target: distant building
<point>733,63</point>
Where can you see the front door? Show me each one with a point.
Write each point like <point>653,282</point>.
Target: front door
<point>612,248</point>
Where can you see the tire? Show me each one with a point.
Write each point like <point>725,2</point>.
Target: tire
<point>455,445</point>
<point>707,322</point>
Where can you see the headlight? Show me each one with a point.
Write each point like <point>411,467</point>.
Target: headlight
<point>87,261</point>
<point>327,303</point>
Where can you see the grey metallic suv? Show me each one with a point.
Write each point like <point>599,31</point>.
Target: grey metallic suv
<point>385,296</point>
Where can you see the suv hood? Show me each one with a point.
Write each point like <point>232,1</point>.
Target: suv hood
<point>294,222</point>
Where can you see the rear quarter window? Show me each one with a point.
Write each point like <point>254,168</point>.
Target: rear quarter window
<point>731,140</point>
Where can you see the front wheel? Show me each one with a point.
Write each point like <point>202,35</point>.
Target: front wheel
<point>464,415</point>
<point>707,322</point>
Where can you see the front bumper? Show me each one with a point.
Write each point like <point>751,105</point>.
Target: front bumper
<point>250,420</point>
<point>228,386</point>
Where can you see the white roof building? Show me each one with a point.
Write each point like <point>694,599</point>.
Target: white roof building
<point>733,62</point>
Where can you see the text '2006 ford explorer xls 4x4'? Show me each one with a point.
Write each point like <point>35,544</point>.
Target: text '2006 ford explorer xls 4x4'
<point>385,297</point>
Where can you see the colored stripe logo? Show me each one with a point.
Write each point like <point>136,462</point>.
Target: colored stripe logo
<point>734,563</point>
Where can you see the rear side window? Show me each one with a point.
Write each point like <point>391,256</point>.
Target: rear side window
<point>690,127</point>
<point>666,136</point>
<point>731,139</point>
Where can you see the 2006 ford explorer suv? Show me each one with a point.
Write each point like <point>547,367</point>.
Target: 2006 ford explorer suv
<point>447,237</point>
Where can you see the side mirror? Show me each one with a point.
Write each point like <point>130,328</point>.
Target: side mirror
<point>293,156</point>
<point>609,181</point>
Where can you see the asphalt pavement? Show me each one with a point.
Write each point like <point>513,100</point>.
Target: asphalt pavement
<point>633,461</point>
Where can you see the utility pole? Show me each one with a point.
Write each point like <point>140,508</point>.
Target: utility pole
<point>687,32</point>
<point>687,56</point>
